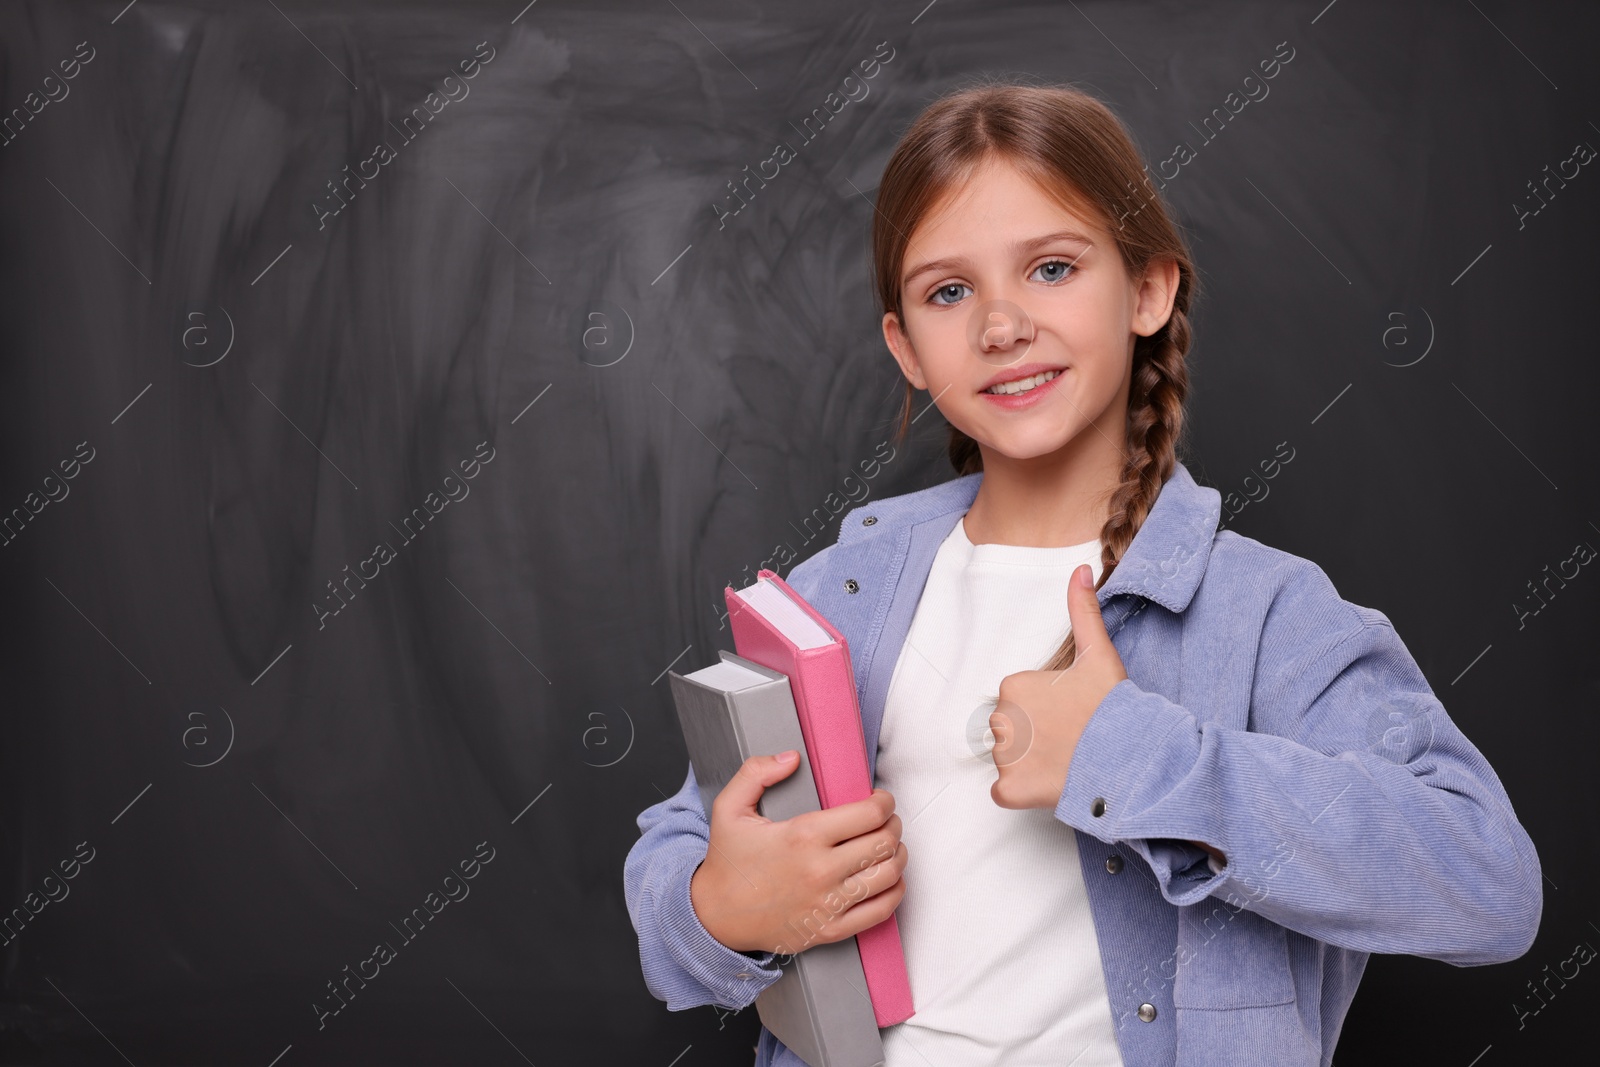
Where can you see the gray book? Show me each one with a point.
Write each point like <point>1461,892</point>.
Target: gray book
<point>730,711</point>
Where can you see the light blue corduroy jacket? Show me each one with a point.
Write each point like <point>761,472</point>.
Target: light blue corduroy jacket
<point>1262,714</point>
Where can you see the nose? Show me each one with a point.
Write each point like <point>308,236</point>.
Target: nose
<point>1000,331</point>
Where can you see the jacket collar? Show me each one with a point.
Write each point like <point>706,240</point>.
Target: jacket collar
<point>1164,563</point>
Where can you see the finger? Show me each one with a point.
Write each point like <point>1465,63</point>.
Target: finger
<point>822,927</point>
<point>859,854</point>
<point>851,906</point>
<point>744,789</point>
<point>1013,731</point>
<point>1083,608</point>
<point>870,912</point>
<point>844,821</point>
<point>1000,793</point>
<point>875,877</point>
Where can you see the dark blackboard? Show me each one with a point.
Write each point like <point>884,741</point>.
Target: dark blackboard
<point>361,496</point>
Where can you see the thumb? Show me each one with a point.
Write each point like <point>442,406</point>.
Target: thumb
<point>744,789</point>
<point>1083,608</point>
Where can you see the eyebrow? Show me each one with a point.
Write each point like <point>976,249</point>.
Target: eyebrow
<point>951,262</point>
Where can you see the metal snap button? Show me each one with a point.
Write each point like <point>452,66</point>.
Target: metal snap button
<point>1097,807</point>
<point>869,520</point>
<point>1113,864</point>
<point>850,586</point>
<point>1147,1013</point>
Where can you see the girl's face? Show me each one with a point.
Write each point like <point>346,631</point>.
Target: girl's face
<point>1002,285</point>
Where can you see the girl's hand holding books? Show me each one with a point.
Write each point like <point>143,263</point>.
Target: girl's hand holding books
<point>1041,714</point>
<point>784,886</point>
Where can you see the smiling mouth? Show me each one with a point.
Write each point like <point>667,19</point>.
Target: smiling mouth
<point>1022,385</point>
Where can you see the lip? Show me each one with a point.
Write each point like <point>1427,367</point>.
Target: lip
<point>1021,370</point>
<point>1033,396</point>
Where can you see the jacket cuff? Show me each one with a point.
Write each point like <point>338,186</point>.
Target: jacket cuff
<point>734,978</point>
<point>1190,865</point>
<point>1136,747</point>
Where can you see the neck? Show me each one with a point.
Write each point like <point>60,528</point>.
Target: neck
<point>1049,501</point>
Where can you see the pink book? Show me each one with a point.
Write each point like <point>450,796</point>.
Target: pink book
<point>775,627</point>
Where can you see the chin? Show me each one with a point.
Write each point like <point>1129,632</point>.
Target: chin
<point>1022,447</point>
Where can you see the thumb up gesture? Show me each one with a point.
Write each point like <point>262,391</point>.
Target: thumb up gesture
<point>1041,714</point>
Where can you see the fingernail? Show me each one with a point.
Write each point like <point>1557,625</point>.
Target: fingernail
<point>789,756</point>
<point>1086,576</point>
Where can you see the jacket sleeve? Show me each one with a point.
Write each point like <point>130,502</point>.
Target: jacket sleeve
<point>1351,809</point>
<point>683,964</point>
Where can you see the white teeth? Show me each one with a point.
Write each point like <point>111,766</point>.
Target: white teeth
<point>1022,385</point>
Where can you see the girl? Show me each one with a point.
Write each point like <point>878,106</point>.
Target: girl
<point>1150,792</point>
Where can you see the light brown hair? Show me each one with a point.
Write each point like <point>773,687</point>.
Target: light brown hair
<point>1079,152</point>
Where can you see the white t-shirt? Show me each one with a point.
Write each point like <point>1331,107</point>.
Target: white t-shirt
<point>999,941</point>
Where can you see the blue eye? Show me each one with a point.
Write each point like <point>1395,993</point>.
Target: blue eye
<point>1054,271</point>
<point>1066,268</point>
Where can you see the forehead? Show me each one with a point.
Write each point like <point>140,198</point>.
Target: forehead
<point>996,199</point>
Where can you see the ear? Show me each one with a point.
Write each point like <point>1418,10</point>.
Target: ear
<point>1154,297</point>
<point>904,354</point>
